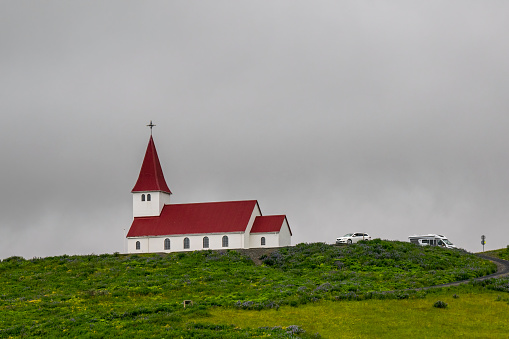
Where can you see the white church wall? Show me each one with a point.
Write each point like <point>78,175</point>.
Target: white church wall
<point>285,238</point>
<point>149,208</point>
<point>247,237</point>
<point>156,244</point>
<point>235,240</point>
<point>271,240</point>
<point>131,245</point>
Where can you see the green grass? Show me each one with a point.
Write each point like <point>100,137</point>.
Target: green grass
<point>142,295</point>
<point>473,313</point>
<point>500,253</point>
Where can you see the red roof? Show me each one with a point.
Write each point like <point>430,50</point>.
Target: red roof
<point>198,218</point>
<point>269,223</point>
<point>151,176</point>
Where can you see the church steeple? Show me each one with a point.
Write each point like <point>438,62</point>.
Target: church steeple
<point>151,176</point>
<point>151,192</point>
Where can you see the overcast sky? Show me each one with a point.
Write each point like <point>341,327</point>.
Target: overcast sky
<point>388,117</point>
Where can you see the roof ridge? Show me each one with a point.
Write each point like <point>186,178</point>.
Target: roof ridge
<point>213,202</point>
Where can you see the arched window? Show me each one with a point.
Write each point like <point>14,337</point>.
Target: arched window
<point>138,245</point>
<point>148,197</point>
<point>205,242</point>
<point>263,241</point>
<point>186,243</point>
<point>225,241</point>
<point>166,244</point>
<point>143,197</point>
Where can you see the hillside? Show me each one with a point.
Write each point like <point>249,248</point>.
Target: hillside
<point>127,295</point>
<point>502,253</point>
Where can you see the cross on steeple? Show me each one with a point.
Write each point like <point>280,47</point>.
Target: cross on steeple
<point>150,125</point>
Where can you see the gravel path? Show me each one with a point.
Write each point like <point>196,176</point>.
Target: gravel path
<point>502,267</point>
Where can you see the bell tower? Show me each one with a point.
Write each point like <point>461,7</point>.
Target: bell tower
<point>150,193</point>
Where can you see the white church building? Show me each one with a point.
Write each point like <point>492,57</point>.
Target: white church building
<point>159,226</point>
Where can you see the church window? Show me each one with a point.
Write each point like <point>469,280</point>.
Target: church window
<point>143,197</point>
<point>166,244</point>
<point>148,197</point>
<point>263,241</point>
<point>225,241</point>
<point>186,243</point>
<point>138,245</point>
<point>205,242</point>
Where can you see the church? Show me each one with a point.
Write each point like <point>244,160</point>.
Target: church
<point>160,226</point>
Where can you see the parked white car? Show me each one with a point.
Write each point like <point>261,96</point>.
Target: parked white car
<point>351,238</point>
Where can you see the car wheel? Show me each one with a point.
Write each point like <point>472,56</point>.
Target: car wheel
<point>349,241</point>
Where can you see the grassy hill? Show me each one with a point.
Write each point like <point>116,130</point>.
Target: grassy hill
<point>142,295</point>
<point>500,253</point>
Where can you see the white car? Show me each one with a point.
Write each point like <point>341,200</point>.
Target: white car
<point>352,238</point>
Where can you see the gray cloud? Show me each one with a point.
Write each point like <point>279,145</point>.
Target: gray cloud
<point>384,117</point>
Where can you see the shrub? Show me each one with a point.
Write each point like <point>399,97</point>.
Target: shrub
<point>294,329</point>
<point>14,258</point>
<point>440,304</point>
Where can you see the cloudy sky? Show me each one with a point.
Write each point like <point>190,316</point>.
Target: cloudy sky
<point>388,117</point>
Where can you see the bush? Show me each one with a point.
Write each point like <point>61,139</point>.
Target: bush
<point>14,258</point>
<point>294,329</point>
<point>440,304</point>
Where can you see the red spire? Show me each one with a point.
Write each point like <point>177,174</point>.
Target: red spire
<point>151,176</point>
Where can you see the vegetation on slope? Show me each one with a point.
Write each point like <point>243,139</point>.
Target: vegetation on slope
<point>500,253</point>
<point>378,265</point>
<point>472,312</point>
<point>126,295</point>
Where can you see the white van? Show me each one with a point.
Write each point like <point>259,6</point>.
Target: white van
<point>431,240</point>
